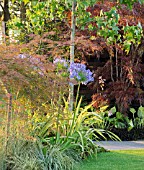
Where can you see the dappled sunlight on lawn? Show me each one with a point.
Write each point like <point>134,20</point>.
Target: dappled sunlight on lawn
<point>138,152</point>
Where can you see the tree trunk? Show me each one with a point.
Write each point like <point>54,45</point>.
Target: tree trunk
<point>22,12</point>
<point>72,46</point>
<point>5,19</point>
<point>9,112</point>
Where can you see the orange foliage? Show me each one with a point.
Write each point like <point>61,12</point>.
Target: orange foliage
<point>68,16</point>
<point>132,17</point>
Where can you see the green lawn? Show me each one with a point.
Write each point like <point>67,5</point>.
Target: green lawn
<point>115,160</point>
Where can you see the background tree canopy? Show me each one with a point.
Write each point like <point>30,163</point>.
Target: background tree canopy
<point>108,36</point>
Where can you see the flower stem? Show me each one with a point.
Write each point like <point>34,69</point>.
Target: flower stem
<point>77,95</point>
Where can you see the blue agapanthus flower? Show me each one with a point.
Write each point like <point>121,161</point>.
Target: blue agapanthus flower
<point>80,73</point>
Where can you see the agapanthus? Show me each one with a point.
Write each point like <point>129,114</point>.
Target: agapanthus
<point>61,67</point>
<point>61,63</point>
<point>80,73</point>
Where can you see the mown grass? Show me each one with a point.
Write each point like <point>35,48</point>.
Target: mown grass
<point>115,160</point>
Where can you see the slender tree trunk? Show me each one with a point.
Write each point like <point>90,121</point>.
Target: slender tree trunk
<point>9,117</point>
<point>111,66</point>
<point>25,36</point>
<point>72,46</point>
<point>9,112</point>
<point>5,19</point>
<point>117,72</point>
<point>6,10</point>
<point>23,12</point>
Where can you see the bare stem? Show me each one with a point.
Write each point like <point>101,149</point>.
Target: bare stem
<point>116,64</point>
<point>111,68</point>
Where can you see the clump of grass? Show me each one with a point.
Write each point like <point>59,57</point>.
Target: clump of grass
<point>33,155</point>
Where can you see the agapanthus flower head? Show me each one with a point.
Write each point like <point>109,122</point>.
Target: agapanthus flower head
<point>61,67</point>
<point>62,63</point>
<point>79,72</point>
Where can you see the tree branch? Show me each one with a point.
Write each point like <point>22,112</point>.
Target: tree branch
<point>2,7</point>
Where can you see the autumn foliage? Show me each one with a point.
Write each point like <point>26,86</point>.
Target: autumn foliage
<point>127,87</point>
<point>27,71</point>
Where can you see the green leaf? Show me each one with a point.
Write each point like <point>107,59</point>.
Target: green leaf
<point>113,110</point>
<point>26,1</point>
<point>119,115</point>
<point>131,125</point>
<point>103,108</point>
<point>132,110</point>
<point>141,112</point>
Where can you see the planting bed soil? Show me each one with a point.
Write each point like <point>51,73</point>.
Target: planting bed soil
<point>125,135</point>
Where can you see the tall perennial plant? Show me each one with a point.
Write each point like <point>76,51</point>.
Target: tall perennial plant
<point>76,71</point>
